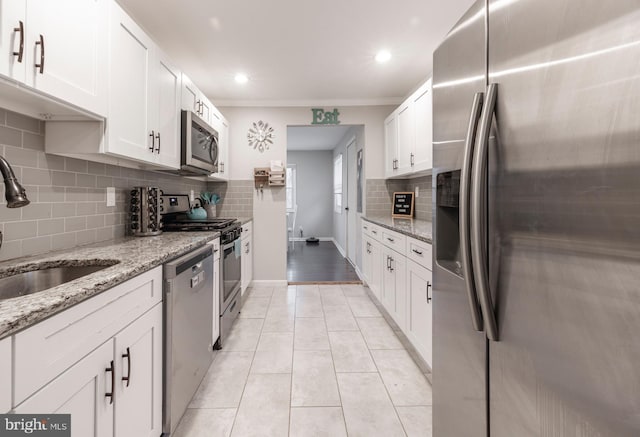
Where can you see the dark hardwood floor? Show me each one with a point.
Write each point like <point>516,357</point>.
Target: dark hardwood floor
<point>321,262</point>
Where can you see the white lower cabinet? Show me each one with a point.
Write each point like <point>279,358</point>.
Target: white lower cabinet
<point>246,267</point>
<point>5,375</point>
<point>82,392</point>
<point>397,270</point>
<point>419,309</point>
<point>138,376</point>
<point>394,293</point>
<point>100,361</point>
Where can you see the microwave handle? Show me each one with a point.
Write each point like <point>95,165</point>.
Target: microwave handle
<point>213,150</point>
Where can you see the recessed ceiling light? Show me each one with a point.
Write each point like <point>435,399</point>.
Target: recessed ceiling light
<point>241,78</point>
<point>383,56</point>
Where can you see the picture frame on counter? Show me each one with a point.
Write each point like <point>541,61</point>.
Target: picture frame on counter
<point>403,203</point>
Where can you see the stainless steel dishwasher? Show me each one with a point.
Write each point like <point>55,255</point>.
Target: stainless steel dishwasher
<point>188,318</point>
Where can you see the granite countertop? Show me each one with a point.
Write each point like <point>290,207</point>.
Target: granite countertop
<point>135,255</point>
<point>418,229</point>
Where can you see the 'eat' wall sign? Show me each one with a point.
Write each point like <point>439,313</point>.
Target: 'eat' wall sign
<point>402,205</point>
<point>320,116</point>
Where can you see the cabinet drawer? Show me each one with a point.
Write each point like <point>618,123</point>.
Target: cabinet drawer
<point>5,375</point>
<point>48,348</point>
<point>420,252</point>
<point>394,240</point>
<point>373,231</point>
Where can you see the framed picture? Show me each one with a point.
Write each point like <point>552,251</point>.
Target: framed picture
<point>402,204</point>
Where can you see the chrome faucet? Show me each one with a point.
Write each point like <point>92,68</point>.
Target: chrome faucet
<point>14,192</point>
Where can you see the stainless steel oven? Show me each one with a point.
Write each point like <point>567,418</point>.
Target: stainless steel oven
<point>230,266</point>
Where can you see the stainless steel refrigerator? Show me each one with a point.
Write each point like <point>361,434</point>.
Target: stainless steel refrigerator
<point>537,220</point>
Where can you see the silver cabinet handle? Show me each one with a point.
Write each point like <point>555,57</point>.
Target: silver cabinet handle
<point>465,181</point>
<point>374,232</point>
<point>20,51</point>
<point>391,261</point>
<point>153,141</point>
<point>391,240</point>
<point>40,43</point>
<point>411,159</point>
<point>158,138</point>
<point>416,251</point>
<point>478,219</point>
<point>428,287</point>
<point>388,267</point>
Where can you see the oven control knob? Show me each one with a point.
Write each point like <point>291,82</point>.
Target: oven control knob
<point>161,208</point>
<point>134,226</point>
<point>134,208</point>
<point>161,200</point>
<point>134,192</point>
<point>134,218</point>
<point>134,200</point>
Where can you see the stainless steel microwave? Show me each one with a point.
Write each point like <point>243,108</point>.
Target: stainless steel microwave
<point>199,146</point>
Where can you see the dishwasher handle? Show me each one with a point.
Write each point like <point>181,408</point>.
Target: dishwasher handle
<point>173,268</point>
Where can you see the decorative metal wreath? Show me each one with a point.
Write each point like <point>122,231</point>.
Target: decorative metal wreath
<point>260,136</point>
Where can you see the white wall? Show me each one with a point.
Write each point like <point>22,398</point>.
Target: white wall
<point>269,209</point>
<point>314,192</point>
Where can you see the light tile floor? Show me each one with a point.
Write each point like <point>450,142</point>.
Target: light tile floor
<point>311,360</point>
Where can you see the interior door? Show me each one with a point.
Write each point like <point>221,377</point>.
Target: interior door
<point>352,207</point>
<point>566,190</point>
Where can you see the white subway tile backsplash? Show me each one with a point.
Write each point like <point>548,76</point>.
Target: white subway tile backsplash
<point>68,196</point>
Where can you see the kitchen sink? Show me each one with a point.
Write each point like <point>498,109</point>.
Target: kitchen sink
<point>47,277</point>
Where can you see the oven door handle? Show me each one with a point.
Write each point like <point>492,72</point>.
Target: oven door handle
<point>229,245</point>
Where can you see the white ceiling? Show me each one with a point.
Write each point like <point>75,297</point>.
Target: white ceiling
<point>300,52</point>
<point>304,138</point>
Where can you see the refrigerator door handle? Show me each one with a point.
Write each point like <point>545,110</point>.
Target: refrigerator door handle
<point>478,219</point>
<point>465,180</point>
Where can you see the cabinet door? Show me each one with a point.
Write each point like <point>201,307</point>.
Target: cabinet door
<point>399,270</point>
<point>423,153</point>
<point>366,259</point>
<point>80,391</point>
<point>406,138</point>
<point>390,144</point>
<point>249,255</point>
<point>377,268</point>
<point>388,283</point>
<point>190,95</point>
<point>206,107</point>
<point>130,118</point>
<point>216,291</point>
<point>138,351</point>
<point>12,13</point>
<point>418,328</point>
<point>167,94</point>
<point>74,43</point>
<point>5,375</point>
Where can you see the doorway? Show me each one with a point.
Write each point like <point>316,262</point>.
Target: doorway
<point>322,193</point>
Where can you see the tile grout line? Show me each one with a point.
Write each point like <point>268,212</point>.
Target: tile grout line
<point>382,379</point>
<point>293,353</point>
<point>333,364</point>
<point>253,357</point>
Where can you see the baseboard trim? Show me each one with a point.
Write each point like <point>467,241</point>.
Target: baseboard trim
<point>340,249</point>
<point>269,283</point>
<point>296,239</point>
<point>360,274</point>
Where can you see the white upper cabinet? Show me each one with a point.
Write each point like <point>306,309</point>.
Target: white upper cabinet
<point>130,117</point>
<point>145,96</point>
<point>423,119</point>
<point>406,137</point>
<point>391,144</point>
<point>168,94</point>
<point>12,40</point>
<point>60,49</point>
<point>408,133</point>
<point>195,101</point>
